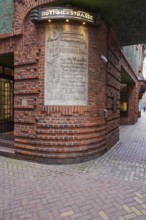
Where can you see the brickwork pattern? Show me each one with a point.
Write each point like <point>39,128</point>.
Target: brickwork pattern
<point>36,125</point>
<point>113,89</point>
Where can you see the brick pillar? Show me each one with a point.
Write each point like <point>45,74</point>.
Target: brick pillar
<point>131,103</point>
<point>113,89</point>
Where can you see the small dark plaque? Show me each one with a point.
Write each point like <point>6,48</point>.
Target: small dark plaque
<point>114,103</point>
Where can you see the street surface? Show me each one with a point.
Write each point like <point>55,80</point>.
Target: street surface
<point>112,187</point>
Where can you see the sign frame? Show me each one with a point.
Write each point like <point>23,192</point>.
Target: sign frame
<point>60,13</point>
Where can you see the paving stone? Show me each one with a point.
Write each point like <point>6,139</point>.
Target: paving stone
<point>103,215</point>
<point>68,213</point>
<point>126,207</point>
<point>121,218</point>
<point>136,211</point>
<point>130,216</point>
<point>138,200</point>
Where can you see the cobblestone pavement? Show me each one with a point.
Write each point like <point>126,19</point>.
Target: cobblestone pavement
<point>112,187</point>
<point>126,160</point>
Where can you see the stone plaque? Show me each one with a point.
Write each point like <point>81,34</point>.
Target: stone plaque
<point>66,65</point>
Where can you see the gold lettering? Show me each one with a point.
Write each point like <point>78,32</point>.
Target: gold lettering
<point>75,13</point>
<point>82,15</point>
<point>50,12</point>
<point>57,12</point>
<point>78,14</point>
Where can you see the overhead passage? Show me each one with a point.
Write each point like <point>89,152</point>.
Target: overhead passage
<point>127,17</point>
<point>125,77</point>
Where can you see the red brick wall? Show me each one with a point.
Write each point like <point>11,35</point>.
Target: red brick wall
<point>133,94</point>
<point>113,88</point>
<point>58,132</point>
<point>62,133</point>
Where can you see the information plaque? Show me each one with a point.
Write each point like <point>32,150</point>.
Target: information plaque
<point>66,65</point>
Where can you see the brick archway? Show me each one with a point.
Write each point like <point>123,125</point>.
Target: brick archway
<point>22,8</point>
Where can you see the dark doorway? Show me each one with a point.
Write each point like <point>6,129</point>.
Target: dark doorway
<point>6,93</point>
<point>124,100</point>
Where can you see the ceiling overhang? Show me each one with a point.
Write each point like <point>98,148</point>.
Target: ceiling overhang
<point>126,78</point>
<point>127,17</point>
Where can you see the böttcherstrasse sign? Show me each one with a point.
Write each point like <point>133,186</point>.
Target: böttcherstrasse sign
<point>67,13</point>
<point>62,13</point>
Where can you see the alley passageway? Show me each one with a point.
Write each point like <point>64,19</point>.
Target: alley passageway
<point>111,187</point>
<point>126,160</point>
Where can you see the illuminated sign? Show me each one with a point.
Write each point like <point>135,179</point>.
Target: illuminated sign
<point>63,13</point>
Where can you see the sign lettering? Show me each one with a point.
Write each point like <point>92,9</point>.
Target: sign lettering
<point>63,13</point>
